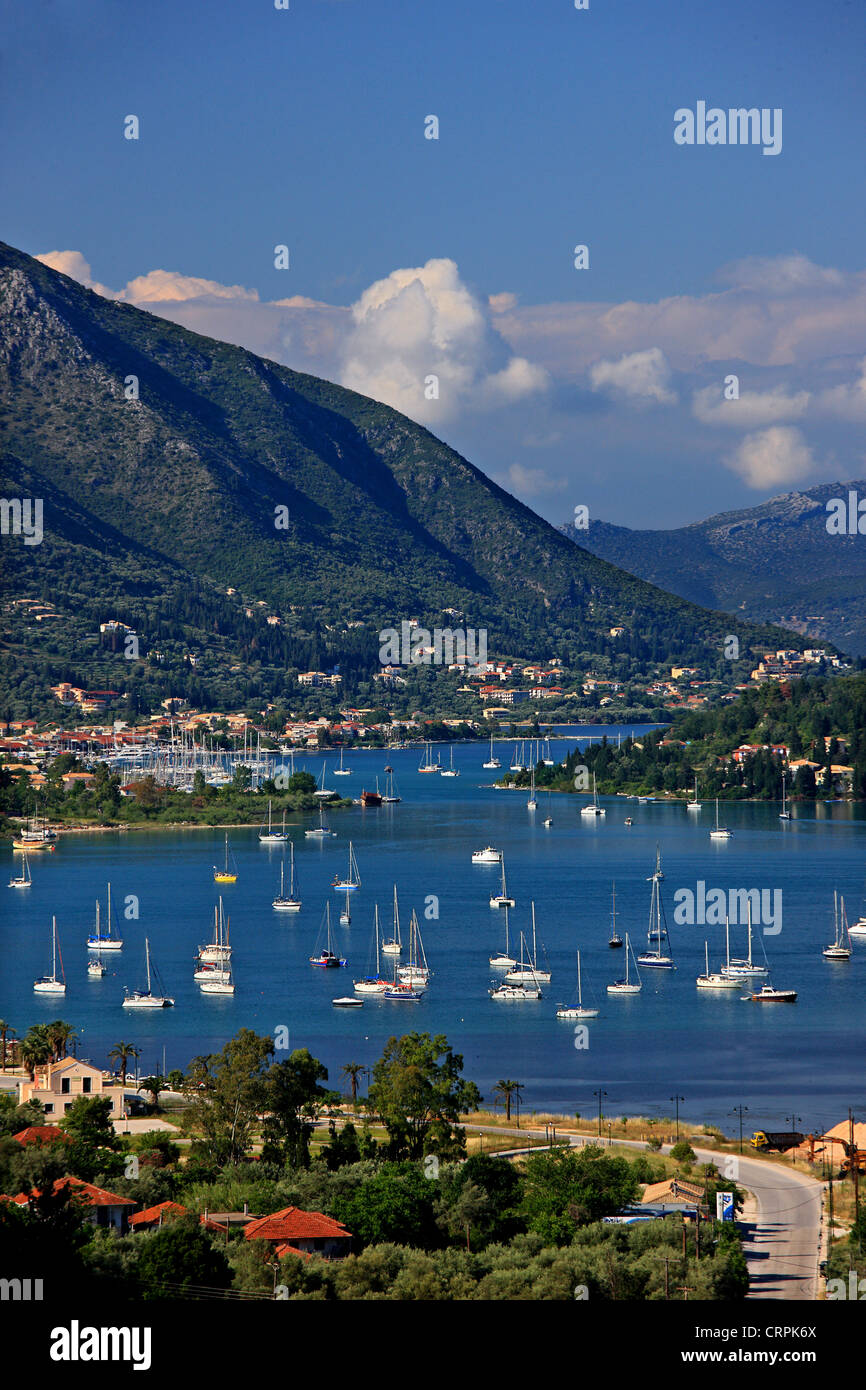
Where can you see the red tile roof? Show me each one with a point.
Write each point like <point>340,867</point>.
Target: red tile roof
<point>281,1250</point>
<point>151,1215</point>
<point>41,1134</point>
<point>294,1224</point>
<point>90,1195</point>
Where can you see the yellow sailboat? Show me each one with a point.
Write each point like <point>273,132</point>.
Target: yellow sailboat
<point>224,875</point>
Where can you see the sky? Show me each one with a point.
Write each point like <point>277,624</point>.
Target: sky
<point>711,351</point>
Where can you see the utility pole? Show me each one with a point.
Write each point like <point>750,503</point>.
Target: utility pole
<point>740,1110</point>
<point>599,1093</point>
<point>676,1100</point>
<point>795,1119</point>
<point>855,1173</point>
<point>667,1281</point>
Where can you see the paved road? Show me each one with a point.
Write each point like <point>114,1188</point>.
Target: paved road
<point>782,1226</point>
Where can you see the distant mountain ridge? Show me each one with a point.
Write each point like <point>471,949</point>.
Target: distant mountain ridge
<point>775,562</point>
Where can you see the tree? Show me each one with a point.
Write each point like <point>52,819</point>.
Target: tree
<point>228,1089</point>
<point>122,1052</point>
<point>154,1086</point>
<point>472,1204</point>
<point>397,1204</point>
<point>508,1090</point>
<point>5,1030</point>
<point>88,1121</point>
<point>293,1097</point>
<point>419,1094</point>
<point>565,1189</point>
<point>353,1070</point>
<point>36,1048</point>
<point>180,1257</point>
<point>60,1035</point>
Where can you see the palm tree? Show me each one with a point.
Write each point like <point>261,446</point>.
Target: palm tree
<point>508,1090</point>
<point>121,1052</point>
<point>36,1048</point>
<point>353,1070</point>
<point>6,1030</point>
<point>60,1035</point>
<point>154,1085</point>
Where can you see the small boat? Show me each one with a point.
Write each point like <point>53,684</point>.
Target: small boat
<point>373,984</point>
<point>323,791</point>
<point>547,759</point>
<point>347,1001</point>
<point>97,941</point>
<point>614,940</point>
<point>592,808</point>
<point>342,771</point>
<point>738,969</point>
<point>517,764</point>
<point>532,804</point>
<point>271,836</point>
<point>768,995</point>
<point>492,761</point>
<point>352,878</point>
<point>327,958</point>
<point>427,764</point>
<point>388,767</point>
<point>52,984</point>
<point>148,998</point>
<point>502,899</point>
<point>225,874</point>
<point>717,979</point>
<point>281,903</point>
<point>627,985</point>
<point>394,945</point>
<point>320,831</point>
<point>369,798</point>
<point>628,821</point>
<point>528,974</point>
<point>488,855</point>
<point>694,804</point>
<point>218,951</point>
<point>417,973</point>
<point>345,915</point>
<point>658,959</point>
<point>390,797</point>
<point>396,990</point>
<point>504,961</point>
<point>784,814</point>
<point>95,969</point>
<point>36,837</point>
<point>450,770</point>
<point>217,979</point>
<point>512,991</point>
<point>24,879</point>
<point>840,949</point>
<point>577,1011</point>
<point>719,832</point>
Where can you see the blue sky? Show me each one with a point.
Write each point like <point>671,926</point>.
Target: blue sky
<point>306,127</point>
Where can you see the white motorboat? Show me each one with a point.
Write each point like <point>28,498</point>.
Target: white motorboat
<point>488,855</point>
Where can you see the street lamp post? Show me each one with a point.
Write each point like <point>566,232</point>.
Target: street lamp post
<point>740,1110</point>
<point>599,1094</point>
<point>795,1120</point>
<point>676,1100</point>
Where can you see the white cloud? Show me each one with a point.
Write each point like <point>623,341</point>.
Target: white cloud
<point>639,376</point>
<point>531,481</point>
<point>772,457</point>
<point>846,401</point>
<point>753,408</point>
<point>501,303</point>
<point>779,274</point>
<point>169,286</point>
<point>73,264</point>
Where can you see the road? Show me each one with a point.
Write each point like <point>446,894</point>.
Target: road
<point>782,1226</point>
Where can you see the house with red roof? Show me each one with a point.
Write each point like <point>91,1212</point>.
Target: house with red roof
<point>296,1232</point>
<point>42,1134</point>
<point>152,1218</point>
<point>105,1209</point>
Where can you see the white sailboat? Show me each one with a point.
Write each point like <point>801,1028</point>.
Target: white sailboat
<point>657,872</point>
<point>427,763</point>
<point>342,771</point>
<point>282,903</point>
<point>577,1011</point>
<point>504,961</point>
<point>373,984</point>
<point>320,831</point>
<point>451,770</point>
<point>390,794</point>
<point>217,951</point>
<point>492,761</point>
<point>394,945</point>
<point>694,804</point>
<point>592,808</point>
<point>784,814</point>
<point>517,760</point>
<point>99,941</point>
<point>547,759</point>
<point>523,973</point>
<point>213,964</point>
<point>659,957</point>
<point>614,940</point>
<point>532,804</point>
<point>840,949</point>
<point>502,898</point>
<point>271,836</point>
<point>417,973</point>
<point>24,879</point>
<point>327,957</point>
<point>351,879</point>
<point>739,969</point>
<point>346,915</point>
<point>719,832</point>
<point>52,984</point>
<point>324,791</point>
<point>147,998</point>
<point>520,983</point>
<point>718,979</point>
<point>627,985</point>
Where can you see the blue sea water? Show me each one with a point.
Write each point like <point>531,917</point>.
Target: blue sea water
<point>715,1051</point>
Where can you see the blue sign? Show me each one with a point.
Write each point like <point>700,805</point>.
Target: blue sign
<point>724,1206</point>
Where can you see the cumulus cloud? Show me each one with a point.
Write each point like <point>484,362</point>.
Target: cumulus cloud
<point>73,264</point>
<point>847,401</point>
<point>423,323</point>
<point>772,457</point>
<point>779,274</point>
<point>530,482</point>
<point>638,376</point>
<point>169,286</point>
<point>501,303</point>
<point>753,408</point>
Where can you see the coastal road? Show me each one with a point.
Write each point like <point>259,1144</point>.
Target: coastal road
<point>782,1227</point>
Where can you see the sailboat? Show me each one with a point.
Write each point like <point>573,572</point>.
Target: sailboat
<point>271,836</point>
<point>548,819</point>
<point>345,915</point>
<point>839,950</point>
<point>282,903</point>
<point>352,878</point>
<point>501,899</point>
<point>327,957</point>
<point>24,879</point>
<point>719,832</point>
<point>694,804</point>
<point>522,973</point>
<point>417,972</point>
<point>216,978</point>
<point>37,836</point>
<point>659,958</point>
<point>547,759</point>
<point>450,770</point>
<point>394,945</point>
<point>504,961</point>
<point>217,952</point>
<point>342,771</point>
<point>427,763</point>
<point>492,761</point>
<point>592,808</point>
<point>520,983</point>
<point>627,986</point>
<point>517,760</point>
<point>96,968</point>
<point>718,979</point>
<point>321,830</point>
<point>96,941</point>
<point>657,872</point>
<point>390,794</point>
<point>577,1011</point>
<point>614,940</point>
<point>784,814</point>
<point>51,984</point>
<point>147,998</point>
<point>532,804</point>
<point>373,984</point>
<point>324,791</point>
<point>225,874</point>
<point>738,969</point>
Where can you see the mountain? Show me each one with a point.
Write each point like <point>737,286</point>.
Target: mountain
<point>775,563</point>
<point>159,510</point>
